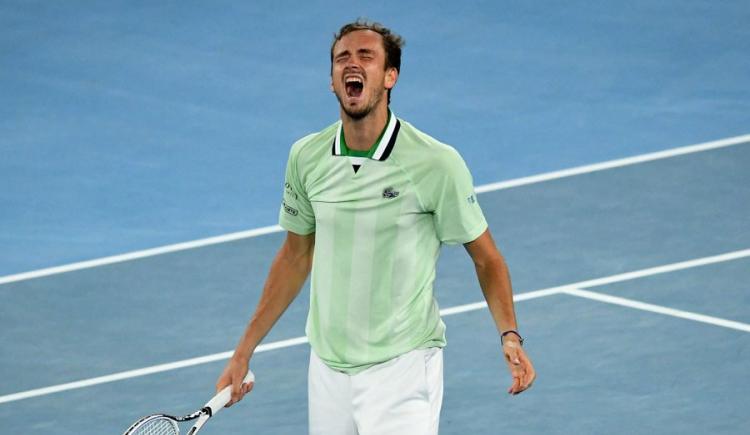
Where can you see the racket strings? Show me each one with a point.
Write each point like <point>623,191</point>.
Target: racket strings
<point>157,426</point>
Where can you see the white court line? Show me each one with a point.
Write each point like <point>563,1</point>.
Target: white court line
<point>729,256</point>
<point>517,298</point>
<point>139,254</point>
<point>630,303</point>
<point>673,152</point>
<point>444,312</point>
<point>145,371</point>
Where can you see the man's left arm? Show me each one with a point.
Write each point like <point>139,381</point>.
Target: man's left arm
<point>494,279</point>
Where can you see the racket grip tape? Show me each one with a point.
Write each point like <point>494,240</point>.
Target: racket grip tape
<point>218,402</point>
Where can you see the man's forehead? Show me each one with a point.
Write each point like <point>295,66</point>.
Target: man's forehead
<point>359,39</point>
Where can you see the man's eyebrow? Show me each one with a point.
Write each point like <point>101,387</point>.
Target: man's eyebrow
<point>341,53</point>
<point>359,51</point>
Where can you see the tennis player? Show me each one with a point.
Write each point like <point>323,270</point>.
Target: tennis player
<point>367,203</point>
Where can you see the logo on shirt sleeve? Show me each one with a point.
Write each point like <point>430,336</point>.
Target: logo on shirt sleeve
<point>289,191</point>
<point>472,199</point>
<point>291,210</point>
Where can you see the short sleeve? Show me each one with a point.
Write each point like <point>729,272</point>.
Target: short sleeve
<point>458,217</point>
<point>296,213</point>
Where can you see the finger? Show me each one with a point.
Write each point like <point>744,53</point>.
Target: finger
<point>221,383</point>
<point>529,379</point>
<point>516,372</point>
<point>526,384</point>
<point>529,373</point>
<point>515,386</point>
<point>517,369</point>
<point>523,385</point>
<point>236,390</point>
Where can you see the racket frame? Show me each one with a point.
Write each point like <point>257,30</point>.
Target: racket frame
<point>213,406</point>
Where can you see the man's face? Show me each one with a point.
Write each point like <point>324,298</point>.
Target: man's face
<point>358,75</point>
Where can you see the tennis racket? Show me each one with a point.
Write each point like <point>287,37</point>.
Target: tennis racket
<point>162,424</point>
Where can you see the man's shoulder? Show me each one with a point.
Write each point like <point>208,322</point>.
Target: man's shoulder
<point>322,139</point>
<point>425,148</point>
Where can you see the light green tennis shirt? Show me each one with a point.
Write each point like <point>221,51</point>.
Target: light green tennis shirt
<point>378,231</point>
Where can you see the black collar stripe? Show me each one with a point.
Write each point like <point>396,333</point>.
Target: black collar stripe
<point>382,149</point>
<point>337,141</point>
<point>391,143</point>
<point>388,135</point>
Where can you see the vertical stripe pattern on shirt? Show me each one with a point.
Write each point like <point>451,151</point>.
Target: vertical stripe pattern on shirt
<point>362,263</point>
<point>322,272</point>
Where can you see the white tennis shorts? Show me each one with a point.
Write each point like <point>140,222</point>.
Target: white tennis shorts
<point>402,396</point>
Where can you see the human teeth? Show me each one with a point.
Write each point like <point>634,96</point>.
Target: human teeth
<point>354,80</point>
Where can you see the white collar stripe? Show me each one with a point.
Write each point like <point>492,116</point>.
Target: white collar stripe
<point>382,148</point>
<point>337,140</point>
<point>383,144</point>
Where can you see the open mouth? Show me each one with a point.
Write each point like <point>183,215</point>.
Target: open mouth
<point>354,86</point>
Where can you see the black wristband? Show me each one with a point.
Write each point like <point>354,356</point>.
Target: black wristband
<point>511,331</point>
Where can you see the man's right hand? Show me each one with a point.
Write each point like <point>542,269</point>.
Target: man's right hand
<point>233,375</point>
<point>289,269</point>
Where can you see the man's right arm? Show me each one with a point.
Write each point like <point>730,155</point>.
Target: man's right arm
<point>288,273</point>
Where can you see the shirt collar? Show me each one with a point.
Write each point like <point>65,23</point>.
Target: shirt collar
<point>381,149</point>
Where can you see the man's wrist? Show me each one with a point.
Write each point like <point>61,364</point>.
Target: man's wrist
<point>511,335</point>
<point>243,353</point>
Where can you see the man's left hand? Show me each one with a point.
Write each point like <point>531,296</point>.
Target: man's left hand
<point>519,365</point>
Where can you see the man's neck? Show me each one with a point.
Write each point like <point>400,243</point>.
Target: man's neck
<point>362,133</point>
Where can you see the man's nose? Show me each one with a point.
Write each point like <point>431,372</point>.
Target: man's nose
<point>352,65</point>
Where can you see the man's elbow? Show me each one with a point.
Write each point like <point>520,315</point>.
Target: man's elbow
<point>490,261</point>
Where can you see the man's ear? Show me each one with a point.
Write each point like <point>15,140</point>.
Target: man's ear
<point>391,77</point>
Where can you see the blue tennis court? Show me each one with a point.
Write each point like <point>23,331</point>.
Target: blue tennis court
<point>610,150</point>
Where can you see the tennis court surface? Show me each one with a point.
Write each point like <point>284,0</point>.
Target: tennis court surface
<point>631,285</point>
<point>143,149</point>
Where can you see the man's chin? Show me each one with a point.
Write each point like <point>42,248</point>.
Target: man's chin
<point>357,114</point>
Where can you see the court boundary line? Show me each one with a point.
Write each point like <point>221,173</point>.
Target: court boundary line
<point>564,173</point>
<point>659,309</point>
<point>574,289</point>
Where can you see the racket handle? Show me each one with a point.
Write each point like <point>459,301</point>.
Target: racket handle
<point>224,396</point>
